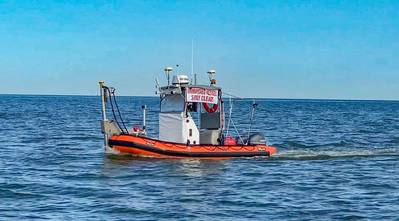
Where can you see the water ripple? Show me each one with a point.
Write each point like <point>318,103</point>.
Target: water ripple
<point>336,160</point>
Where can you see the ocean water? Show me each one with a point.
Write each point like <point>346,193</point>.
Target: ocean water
<point>336,160</point>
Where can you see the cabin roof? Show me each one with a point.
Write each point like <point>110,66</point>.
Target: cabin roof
<point>174,88</point>
<point>205,87</point>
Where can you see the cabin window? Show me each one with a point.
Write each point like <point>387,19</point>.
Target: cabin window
<point>172,103</point>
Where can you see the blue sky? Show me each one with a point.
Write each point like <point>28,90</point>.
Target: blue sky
<point>276,49</point>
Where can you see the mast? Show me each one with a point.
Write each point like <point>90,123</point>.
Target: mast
<point>192,62</point>
<point>103,110</point>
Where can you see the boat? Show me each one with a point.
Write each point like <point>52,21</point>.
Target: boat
<point>191,124</point>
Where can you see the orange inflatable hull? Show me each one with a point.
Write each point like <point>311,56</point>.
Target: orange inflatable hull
<point>147,147</point>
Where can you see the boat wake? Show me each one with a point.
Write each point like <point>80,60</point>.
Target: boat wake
<point>333,154</point>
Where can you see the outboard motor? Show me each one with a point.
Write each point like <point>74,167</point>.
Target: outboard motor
<point>257,139</point>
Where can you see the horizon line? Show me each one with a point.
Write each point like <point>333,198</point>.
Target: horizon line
<point>265,98</point>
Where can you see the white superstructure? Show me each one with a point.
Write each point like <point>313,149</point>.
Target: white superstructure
<point>179,101</point>
<point>174,124</point>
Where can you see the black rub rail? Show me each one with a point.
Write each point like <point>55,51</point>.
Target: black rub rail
<point>186,154</point>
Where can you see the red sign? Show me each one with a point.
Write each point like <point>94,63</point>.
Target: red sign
<point>202,95</point>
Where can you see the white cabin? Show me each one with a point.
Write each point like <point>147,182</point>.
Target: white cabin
<point>180,102</point>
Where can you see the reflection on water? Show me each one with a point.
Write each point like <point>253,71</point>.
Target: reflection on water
<point>187,167</point>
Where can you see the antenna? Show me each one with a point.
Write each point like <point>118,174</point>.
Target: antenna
<point>192,62</point>
<point>254,105</point>
<point>157,85</point>
<point>167,72</point>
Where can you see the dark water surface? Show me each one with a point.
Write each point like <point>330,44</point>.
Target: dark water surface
<point>336,160</point>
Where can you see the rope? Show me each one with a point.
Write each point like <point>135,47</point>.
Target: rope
<point>230,112</point>
<point>231,119</point>
<point>113,110</point>
<point>239,136</point>
<point>117,108</point>
<point>232,95</point>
